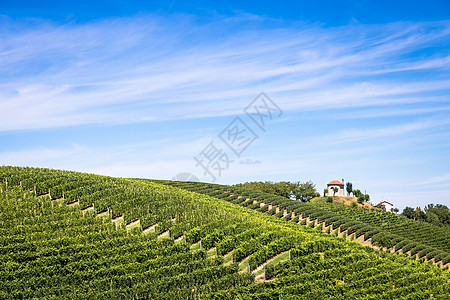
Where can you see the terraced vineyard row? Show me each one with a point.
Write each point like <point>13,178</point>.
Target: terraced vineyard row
<point>382,228</point>
<point>137,239</point>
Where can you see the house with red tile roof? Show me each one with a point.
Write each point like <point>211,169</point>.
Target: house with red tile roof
<point>386,205</point>
<point>339,185</point>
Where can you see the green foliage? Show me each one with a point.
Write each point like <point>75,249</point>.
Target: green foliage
<point>51,251</point>
<point>329,200</point>
<point>335,190</point>
<point>361,199</point>
<point>437,214</point>
<point>300,191</point>
<point>408,212</point>
<point>349,188</point>
<point>357,193</point>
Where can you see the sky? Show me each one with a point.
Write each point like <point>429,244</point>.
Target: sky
<point>232,92</point>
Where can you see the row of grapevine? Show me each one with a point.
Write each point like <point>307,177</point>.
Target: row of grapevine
<point>383,228</point>
<point>49,249</point>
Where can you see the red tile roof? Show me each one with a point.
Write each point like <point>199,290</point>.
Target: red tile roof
<point>337,182</point>
<point>385,202</point>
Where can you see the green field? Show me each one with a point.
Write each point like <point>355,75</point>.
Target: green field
<point>69,235</point>
<point>381,228</point>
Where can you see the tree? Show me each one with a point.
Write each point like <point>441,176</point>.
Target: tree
<point>395,210</point>
<point>408,212</point>
<point>335,190</point>
<point>357,193</point>
<point>437,214</point>
<point>304,191</point>
<point>325,191</point>
<point>419,214</point>
<point>349,188</point>
<point>300,191</point>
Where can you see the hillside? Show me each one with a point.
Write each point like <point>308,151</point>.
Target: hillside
<point>81,236</point>
<point>343,200</point>
<point>380,228</point>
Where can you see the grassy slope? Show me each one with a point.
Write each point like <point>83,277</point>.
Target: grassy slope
<point>348,201</point>
<point>50,249</point>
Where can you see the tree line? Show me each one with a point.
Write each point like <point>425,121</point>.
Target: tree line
<point>438,214</point>
<point>301,191</point>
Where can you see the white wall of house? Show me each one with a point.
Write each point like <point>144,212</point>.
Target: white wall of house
<point>339,193</point>
<point>388,206</point>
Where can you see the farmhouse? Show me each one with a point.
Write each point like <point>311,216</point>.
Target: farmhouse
<point>339,185</point>
<point>386,205</point>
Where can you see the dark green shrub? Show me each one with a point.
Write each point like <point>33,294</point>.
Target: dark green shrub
<point>433,254</point>
<point>408,247</point>
<point>401,244</point>
<point>440,256</point>
<point>424,252</point>
<point>417,249</point>
<point>446,260</point>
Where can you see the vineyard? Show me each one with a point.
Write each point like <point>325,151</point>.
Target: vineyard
<point>69,235</point>
<point>384,229</point>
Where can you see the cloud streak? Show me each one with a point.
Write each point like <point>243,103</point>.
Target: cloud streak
<point>144,69</point>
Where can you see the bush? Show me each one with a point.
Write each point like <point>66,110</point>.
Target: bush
<point>287,217</point>
<point>355,228</point>
<point>440,256</point>
<point>329,199</point>
<point>272,211</point>
<point>408,247</point>
<point>264,208</point>
<point>417,249</point>
<point>401,244</point>
<point>354,205</point>
<point>320,227</point>
<point>303,222</point>
<point>424,252</point>
<point>279,214</point>
<point>370,234</point>
<point>362,231</point>
<point>433,254</point>
<point>446,260</point>
<point>384,240</point>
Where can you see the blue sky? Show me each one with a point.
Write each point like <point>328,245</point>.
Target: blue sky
<point>138,89</point>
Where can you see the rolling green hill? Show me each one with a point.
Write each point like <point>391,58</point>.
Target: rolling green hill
<point>381,228</point>
<point>68,235</point>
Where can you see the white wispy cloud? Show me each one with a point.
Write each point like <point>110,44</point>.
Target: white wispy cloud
<point>144,69</point>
